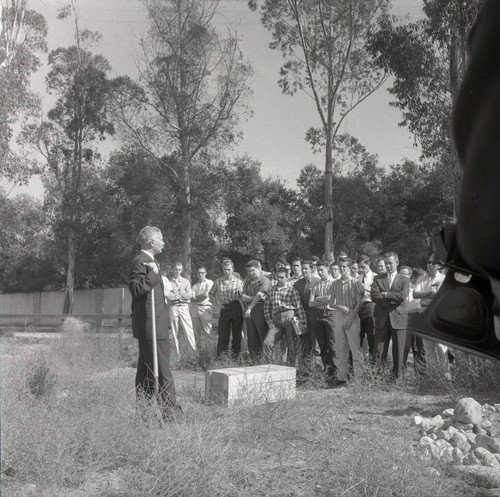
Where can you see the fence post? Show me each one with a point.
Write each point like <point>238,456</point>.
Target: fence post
<point>121,299</point>
<point>37,307</point>
<point>99,304</point>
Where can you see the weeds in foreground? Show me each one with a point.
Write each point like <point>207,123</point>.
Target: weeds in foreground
<point>85,438</point>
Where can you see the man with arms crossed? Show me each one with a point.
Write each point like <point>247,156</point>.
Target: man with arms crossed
<point>144,277</point>
<point>389,292</point>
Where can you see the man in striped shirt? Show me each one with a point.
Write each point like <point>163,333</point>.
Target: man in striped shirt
<point>346,299</point>
<point>282,304</point>
<point>226,291</point>
<point>322,317</point>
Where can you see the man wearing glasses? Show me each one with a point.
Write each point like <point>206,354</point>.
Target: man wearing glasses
<point>425,290</point>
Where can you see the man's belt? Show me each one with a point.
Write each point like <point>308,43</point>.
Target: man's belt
<point>284,310</point>
<point>228,304</point>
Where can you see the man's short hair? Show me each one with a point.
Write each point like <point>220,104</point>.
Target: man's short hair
<point>202,268</point>
<point>314,259</point>
<point>407,268</point>
<point>343,256</point>
<point>179,263</point>
<point>296,259</point>
<point>306,263</point>
<point>417,272</point>
<point>147,234</point>
<point>363,259</point>
<point>391,254</point>
<point>253,263</point>
<point>434,258</point>
<point>321,263</point>
<point>282,270</point>
<point>227,262</point>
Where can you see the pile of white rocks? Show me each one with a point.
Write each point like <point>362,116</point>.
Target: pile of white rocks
<point>467,436</point>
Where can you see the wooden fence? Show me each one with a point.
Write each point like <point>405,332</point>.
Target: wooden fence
<point>101,307</point>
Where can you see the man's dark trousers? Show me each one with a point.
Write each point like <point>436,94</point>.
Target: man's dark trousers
<point>257,328</point>
<point>367,326</point>
<point>230,323</point>
<point>323,326</point>
<point>144,379</point>
<point>382,338</point>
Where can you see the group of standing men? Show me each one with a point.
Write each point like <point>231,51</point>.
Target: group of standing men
<point>311,309</point>
<point>328,311</point>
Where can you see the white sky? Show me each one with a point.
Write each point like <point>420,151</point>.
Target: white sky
<point>275,135</point>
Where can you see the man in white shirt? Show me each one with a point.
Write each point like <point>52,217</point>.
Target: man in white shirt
<point>425,290</point>
<point>296,273</point>
<point>178,310</point>
<point>201,306</point>
<point>367,321</point>
<point>413,342</point>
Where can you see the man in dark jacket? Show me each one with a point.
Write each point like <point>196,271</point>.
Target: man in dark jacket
<point>145,277</point>
<point>389,292</point>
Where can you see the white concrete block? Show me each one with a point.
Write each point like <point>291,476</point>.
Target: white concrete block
<point>253,385</point>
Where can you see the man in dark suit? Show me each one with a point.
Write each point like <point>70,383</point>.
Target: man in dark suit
<point>388,292</point>
<point>144,277</point>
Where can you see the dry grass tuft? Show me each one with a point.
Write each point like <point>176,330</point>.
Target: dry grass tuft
<point>39,379</point>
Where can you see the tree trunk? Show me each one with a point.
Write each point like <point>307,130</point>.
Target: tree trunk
<point>329,247</point>
<point>187,229</point>
<point>455,79</point>
<point>70,275</point>
<point>187,236</point>
<point>458,66</point>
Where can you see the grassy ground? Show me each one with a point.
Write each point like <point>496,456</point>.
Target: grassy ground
<point>69,429</point>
